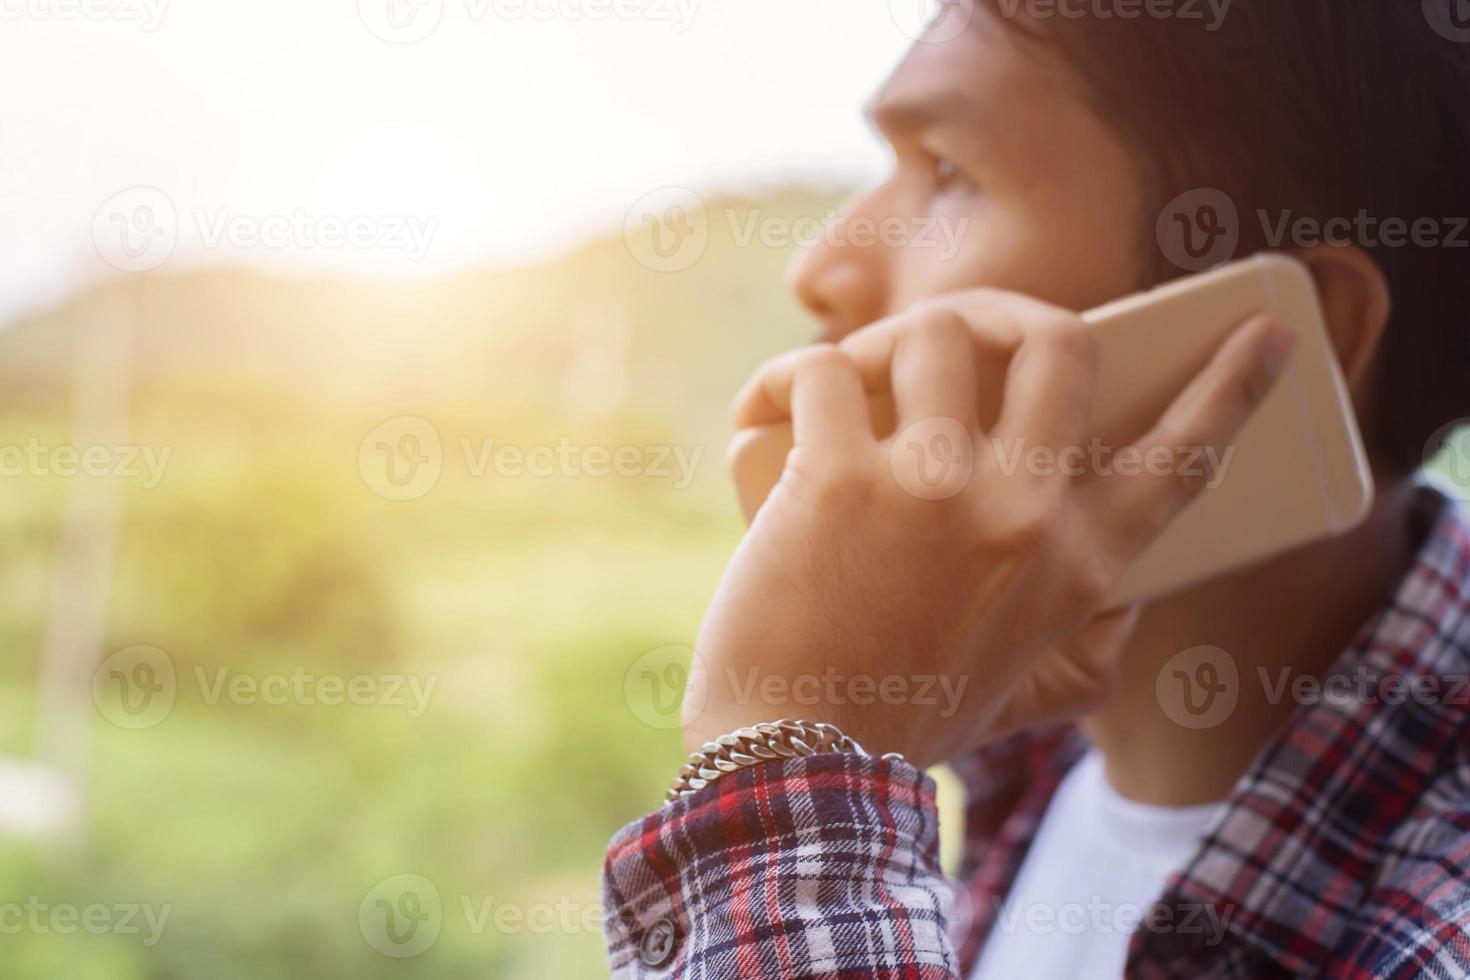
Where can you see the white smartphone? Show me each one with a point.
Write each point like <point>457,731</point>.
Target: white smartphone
<point>1297,472</point>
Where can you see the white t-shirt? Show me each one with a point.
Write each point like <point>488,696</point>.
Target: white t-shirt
<point>1097,865</point>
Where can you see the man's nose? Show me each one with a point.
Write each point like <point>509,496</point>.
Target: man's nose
<point>841,283</point>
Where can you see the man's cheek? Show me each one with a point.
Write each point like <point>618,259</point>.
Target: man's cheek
<point>925,274</point>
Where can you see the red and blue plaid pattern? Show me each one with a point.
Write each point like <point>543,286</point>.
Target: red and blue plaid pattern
<point>1343,852</point>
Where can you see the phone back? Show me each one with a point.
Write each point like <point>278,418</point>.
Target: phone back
<point>1298,471</point>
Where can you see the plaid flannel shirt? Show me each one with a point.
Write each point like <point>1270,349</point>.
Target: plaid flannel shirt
<point>1344,851</point>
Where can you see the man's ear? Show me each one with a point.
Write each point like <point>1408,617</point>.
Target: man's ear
<point>1356,301</point>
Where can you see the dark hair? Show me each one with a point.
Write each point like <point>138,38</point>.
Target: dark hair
<point>1325,109</point>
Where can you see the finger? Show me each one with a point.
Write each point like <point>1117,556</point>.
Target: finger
<point>995,320</point>
<point>766,397</point>
<point>1198,427</point>
<point>1048,389</point>
<point>934,371</point>
<point>828,407</point>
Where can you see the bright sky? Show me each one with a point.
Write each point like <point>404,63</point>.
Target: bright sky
<point>508,129</point>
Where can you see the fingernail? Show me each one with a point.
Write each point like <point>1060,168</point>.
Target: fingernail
<point>1279,345</point>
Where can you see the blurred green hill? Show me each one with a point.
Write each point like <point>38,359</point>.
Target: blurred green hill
<point>264,549</point>
<point>511,333</point>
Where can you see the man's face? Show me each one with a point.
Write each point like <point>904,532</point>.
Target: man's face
<point>1002,177</point>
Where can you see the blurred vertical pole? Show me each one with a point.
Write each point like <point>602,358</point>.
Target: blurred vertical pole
<point>102,360</point>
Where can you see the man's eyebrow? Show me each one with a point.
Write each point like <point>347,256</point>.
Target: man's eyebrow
<point>897,115</point>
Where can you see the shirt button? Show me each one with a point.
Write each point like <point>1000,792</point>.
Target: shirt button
<point>659,943</point>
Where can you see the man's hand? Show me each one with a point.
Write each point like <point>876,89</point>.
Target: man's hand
<point>915,590</point>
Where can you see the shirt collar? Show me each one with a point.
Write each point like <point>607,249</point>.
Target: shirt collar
<point>1286,864</point>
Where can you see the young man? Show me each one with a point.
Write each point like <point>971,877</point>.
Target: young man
<point>1106,833</point>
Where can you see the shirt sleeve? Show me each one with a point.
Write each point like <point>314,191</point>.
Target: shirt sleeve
<point>810,867</point>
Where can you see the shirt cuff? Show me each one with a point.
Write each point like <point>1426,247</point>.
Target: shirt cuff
<point>794,868</point>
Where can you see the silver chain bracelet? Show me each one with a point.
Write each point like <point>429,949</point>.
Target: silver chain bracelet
<point>785,739</point>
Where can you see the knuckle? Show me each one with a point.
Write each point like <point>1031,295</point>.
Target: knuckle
<point>1189,481</point>
<point>1079,582</point>
<point>957,516</point>
<point>843,485</point>
<point>1094,675</point>
<point>783,361</point>
<point>822,357</point>
<point>1090,585</point>
<point>1235,393</point>
<point>1175,433</point>
<point>1071,335</point>
<point>1253,386</point>
<point>1026,530</point>
<point>1144,527</point>
<point>936,321</point>
<point>758,380</point>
